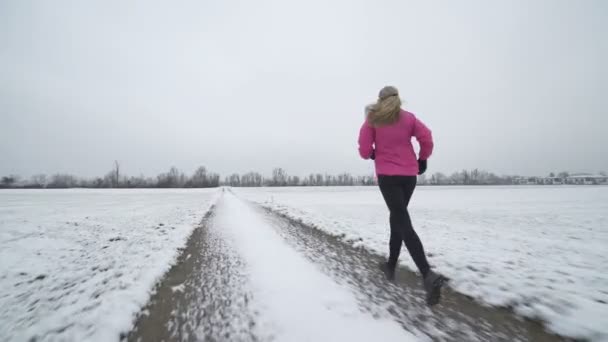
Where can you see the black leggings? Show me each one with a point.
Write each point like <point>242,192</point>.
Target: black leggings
<point>397,191</point>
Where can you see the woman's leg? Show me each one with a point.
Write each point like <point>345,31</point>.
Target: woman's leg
<point>411,239</point>
<point>395,201</point>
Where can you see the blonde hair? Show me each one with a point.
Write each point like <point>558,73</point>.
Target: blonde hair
<point>386,110</point>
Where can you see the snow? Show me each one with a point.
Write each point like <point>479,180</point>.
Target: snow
<point>540,250</point>
<point>79,264</point>
<point>295,301</point>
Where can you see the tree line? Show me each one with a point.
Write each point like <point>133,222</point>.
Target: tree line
<point>202,178</point>
<point>467,177</point>
<point>174,178</point>
<point>480,177</point>
<point>280,177</point>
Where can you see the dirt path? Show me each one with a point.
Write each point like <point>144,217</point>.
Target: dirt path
<point>457,318</point>
<point>202,297</point>
<point>205,296</point>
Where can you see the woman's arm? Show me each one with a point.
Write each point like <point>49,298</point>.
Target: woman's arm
<point>367,136</point>
<point>425,139</point>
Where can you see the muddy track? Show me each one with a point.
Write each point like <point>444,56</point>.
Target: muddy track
<point>457,318</point>
<point>202,297</point>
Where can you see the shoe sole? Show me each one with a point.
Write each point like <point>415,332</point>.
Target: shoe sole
<point>435,296</point>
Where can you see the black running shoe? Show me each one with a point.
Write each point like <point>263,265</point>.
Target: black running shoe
<point>432,284</point>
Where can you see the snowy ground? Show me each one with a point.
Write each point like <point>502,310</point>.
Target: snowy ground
<point>295,300</point>
<point>540,250</point>
<point>239,281</point>
<point>248,274</point>
<point>78,265</point>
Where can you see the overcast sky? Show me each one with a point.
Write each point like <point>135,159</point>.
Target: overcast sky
<point>507,86</point>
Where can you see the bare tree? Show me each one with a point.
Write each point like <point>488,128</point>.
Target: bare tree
<point>61,181</point>
<point>366,180</point>
<point>279,177</point>
<point>293,181</point>
<point>213,180</point>
<point>199,178</point>
<point>177,178</point>
<point>171,179</point>
<point>251,179</point>
<point>439,178</point>
<point>112,178</point>
<point>9,181</point>
<point>39,180</point>
<point>97,183</point>
<point>344,179</point>
<point>116,175</point>
<point>312,180</point>
<point>233,180</point>
<point>422,180</point>
<point>136,182</point>
<point>318,179</point>
<point>459,177</point>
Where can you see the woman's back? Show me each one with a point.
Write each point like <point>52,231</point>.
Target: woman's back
<point>392,145</point>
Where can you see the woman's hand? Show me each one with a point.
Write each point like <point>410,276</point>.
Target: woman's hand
<point>421,166</point>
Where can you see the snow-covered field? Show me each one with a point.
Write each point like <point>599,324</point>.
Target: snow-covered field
<point>541,250</point>
<point>78,265</point>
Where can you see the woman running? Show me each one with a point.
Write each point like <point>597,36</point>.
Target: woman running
<point>386,137</point>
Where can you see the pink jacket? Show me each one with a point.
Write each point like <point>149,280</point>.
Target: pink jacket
<point>393,145</point>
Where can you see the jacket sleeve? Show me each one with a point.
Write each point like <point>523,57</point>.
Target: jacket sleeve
<point>425,138</point>
<point>367,136</point>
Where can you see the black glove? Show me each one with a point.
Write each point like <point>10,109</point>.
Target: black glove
<point>373,156</point>
<point>421,166</point>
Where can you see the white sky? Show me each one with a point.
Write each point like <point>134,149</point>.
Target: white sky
<point>508,86</point>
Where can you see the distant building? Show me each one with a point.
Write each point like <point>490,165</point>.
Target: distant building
<point>527,180</point>
<point>553,181</point>
<point>576,179</point>
<point>587,179</point>
<point>519,180</point>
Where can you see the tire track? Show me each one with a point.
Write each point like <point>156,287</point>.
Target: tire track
<point>204,296</point>
<point>457,318</point>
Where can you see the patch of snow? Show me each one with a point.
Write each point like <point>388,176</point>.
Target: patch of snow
<point>178,288</point>
<point>295,301</point>
<point>540,250</point>
<point>79,264</point>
